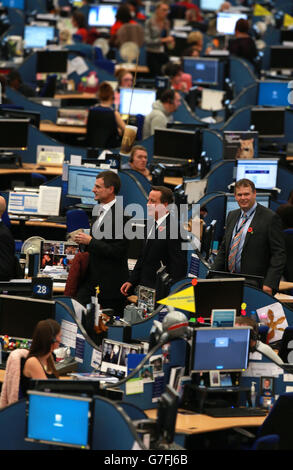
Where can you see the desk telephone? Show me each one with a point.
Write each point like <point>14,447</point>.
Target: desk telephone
<point>68,364</point>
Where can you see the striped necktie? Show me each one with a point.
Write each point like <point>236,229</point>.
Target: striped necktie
<point>235,245</point>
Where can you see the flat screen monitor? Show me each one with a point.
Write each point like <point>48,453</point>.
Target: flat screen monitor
<point>23,202</point>
<point>14,134</point>
<point>210,5</point>
<point>204,71</point>
<point>221,349</point>
<point>81,180</point>
<point>55,254</point>
<point>19,287</point>
<point>286,35</point>
<point>240,144</point>
<point>53,61</point>
<point>231,204</point>
<point>114,357</point>
<point>61,420</point>
<point>136,101</point>
<point>226,22</point>
<point>175,143</point>
<point>38,36</point>
<point>102,15</point>
<point>217,293</point>
<point>20,315</point>
<point>33,116</point>
<point>268,122</point>
<point>271,93</point>
<point>262,171</point>
<point>281,58</point>
<point>19,4</point>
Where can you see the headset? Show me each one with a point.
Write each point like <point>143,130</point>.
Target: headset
<point>53,335</point>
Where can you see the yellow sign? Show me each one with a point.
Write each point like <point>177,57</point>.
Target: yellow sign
<point>183,300</point>
<point>260,11</point>
<point>288,20</point>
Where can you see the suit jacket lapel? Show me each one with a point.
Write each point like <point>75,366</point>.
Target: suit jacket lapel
<point>254,223</point>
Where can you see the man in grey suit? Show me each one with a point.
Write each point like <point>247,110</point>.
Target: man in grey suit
<point>253,242</point>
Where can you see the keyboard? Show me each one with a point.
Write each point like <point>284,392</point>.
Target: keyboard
<point>56,219</point>
<point>236,412</point>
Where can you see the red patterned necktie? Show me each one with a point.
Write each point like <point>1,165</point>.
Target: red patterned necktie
<point>235,245</point>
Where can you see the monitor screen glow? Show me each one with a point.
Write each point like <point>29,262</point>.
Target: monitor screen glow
<point>81,181</point>
<point>263,172</point>
<point>136,101</point>
<point>226,22</point>
<point>210,5</point>
<point>222,349</point>
<point>37,36</point>
<point>202,70</point>
<point>102,15</point>
<point>59,419</point>
<point>273,93</point>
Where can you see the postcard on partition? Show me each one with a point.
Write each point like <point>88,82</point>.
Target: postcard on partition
<point>274,317</point>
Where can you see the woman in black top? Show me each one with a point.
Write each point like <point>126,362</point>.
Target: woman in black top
<point>39,363</point>
<point>242,45</point>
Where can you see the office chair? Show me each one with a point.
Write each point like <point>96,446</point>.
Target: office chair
<point>6,219</point>
<point>75,219</point>
<point>10,392</point>
<point>279,421</point>
<point>37,179</point>
<point>270,442</point>
<point>102,129</point>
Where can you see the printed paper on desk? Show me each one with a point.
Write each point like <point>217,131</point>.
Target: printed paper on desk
<point>77,65</point>
<point>274,317</point>
<point>49,200</point>
<point>96,359</point>
<point>262,369</point>
<point>68,333</point>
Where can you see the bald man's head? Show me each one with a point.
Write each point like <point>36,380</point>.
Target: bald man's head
<point>2,205</point>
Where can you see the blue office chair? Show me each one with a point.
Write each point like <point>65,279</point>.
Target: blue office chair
<point>270,442</point>
<point>279,421</point>
<point>37,179</point>
<point>6,219</point>
<point>75,219</point>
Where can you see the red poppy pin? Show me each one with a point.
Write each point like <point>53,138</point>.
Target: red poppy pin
<point>162,228</point>
<point>250,230</point>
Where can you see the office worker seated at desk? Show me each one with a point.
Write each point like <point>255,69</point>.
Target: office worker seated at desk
<point>36,363</point>
<point>163,244</point>
<point>242,45</point>
<point>108,254</point>
<point>253,242</point>
<point>138,161</point>
<point>104,125</point>
<point>255,343</point>
<point>179,80</point>
<point>16,83</point>
<point>162,112</point>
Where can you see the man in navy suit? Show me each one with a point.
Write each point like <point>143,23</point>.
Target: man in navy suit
<point>162,246</point>
<point>108,253</point>
<point>253,242</point>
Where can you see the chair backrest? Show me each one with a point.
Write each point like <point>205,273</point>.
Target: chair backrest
<point>75,219</point>
<point>286,348</point>
<point>270,442</point>
<point>279,421</point>
<point>130,32</point>
<point>102,129</point>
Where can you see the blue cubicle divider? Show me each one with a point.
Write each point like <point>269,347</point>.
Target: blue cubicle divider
<point>247,97</point>
<point>256,298</point>
<point>17,21</point>
<point>215,205</point>
<point>241,73</point>
<point>239,121</point>
<point>141,180</point>
<point>284,182</point>
<point>220,176</point>
<point>212,144</point>
<point>46,112</point>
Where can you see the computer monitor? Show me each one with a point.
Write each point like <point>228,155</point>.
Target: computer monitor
<point>226,22</point>
<point>18,287</point>
<point>37,36</point>
<point>273,93</point>
<point>261,171</point>
<point>231,204</point>
<point>61,420</point>
<point>18,4</point>
<point>203,70</point>
<point>286,35</point>
<point>281,58</point>
<point>102,15</point>
<point>175,144</point>
<point>167,414</point>
<point>268,122</point>
<point>81,180</point>
<point>114,357</point>
<point>240,144</point>
<point>136,101</point>
<point>14,134</point>
<point>33,116</point>
<point>221,349</point>
<point>250,279</point>
<point>20,315</point>
<point>210,5</point>
<point>217,293</point>
<point>52,61</point>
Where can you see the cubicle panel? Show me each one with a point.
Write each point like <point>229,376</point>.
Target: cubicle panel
<point>13,428</point>
<point>256,298</point>
<point>241,73</point>
<point>246,97</point>
<point>212,144</point>
<point>220,176</point>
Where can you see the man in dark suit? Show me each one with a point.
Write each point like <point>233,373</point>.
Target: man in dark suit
<point>163,245</point>
<point>7,248</point>
<point>107,247</point>
<point>253,242</point>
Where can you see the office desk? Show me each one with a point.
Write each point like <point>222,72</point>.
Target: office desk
<point>285,285</point>
<point>198,423</point>
<point>284,298</point>
<point>28,168</point>
<point>173,180</point>
<point>54,129</point>
<point>133,68</point>
<point>73,95</point>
